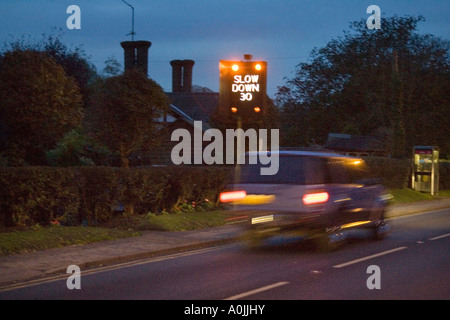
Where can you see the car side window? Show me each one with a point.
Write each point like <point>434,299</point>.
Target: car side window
<point>337,171</point>
<point>357,171</point>
<point>316,170</point>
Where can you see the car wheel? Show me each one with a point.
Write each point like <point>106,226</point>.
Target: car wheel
<point>381,229</point>
<point>330,240</point>
<point>252,240</point>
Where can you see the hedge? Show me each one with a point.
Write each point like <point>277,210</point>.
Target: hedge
<point>93,195</point>
<point>394,173</point>
<point>444,175</point>
<point>35,194</point>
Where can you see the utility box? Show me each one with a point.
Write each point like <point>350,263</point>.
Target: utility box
<point>425,177</point>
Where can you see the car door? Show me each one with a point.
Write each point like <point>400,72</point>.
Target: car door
<point>352,201</point>
<point>363,191</point>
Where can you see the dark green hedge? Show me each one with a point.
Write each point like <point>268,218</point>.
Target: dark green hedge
<point>92,195</point>
<point>75,195</point>
<point>394,173</point>
<point>33,194</point>
<point>444,175</point>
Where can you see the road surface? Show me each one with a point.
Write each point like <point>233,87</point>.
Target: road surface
<point>412,263</point>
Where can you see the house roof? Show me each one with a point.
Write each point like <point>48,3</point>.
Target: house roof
<point>181,114</point>
<point>348,142</point>
<point>198,106</point>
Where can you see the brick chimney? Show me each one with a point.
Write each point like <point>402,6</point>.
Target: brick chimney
<point>176,75</point>
<point>182,75</point>
<point>136,55</point>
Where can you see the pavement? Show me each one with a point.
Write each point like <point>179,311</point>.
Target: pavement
<point>18,269</point>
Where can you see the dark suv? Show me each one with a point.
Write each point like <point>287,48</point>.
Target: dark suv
<point>314,194</point>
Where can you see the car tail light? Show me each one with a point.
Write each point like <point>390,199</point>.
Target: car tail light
<point>232,196</point>
<point>313,198</point>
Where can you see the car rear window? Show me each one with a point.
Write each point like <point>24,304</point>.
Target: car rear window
<point>292,170</point>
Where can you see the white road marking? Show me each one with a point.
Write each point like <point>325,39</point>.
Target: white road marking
<point>440,237</point>
<point>99,269</point>
<point>368,257</point>
<point>249,293</point>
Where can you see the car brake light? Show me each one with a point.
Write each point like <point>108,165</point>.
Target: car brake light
<point>232,196</point>
<point>312,198</point>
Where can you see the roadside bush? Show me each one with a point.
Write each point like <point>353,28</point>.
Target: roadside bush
<point>100,192</point>
<point>195,185</point>
<point>143,189</point>
<point>444,175</point>
<point>394,173</point>
<point>31,195</point>
<point>94,195</point>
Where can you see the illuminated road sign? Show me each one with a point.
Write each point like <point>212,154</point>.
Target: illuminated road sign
<point>243,87</point>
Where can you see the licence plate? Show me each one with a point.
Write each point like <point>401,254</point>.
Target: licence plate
<point>262,219</point>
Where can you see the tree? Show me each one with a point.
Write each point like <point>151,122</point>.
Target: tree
<point>123,111</point>
<point>73,60</point>
<point>112,67</point>
<point>39,103</point>
<point>71,150</point>
<point>372,80</point>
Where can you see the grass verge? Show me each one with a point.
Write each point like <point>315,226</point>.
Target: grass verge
<point>56,237</point>
<point>42,238</point>
<point>444,193</point>
<point>408,195</point>
<point>183,221</point>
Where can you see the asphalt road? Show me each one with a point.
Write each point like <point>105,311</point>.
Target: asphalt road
<point>412,263</point>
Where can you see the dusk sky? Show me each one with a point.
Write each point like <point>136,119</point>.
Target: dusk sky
<point>281,32</point>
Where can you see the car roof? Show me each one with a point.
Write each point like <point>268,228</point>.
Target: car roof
<point>323,154</point>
